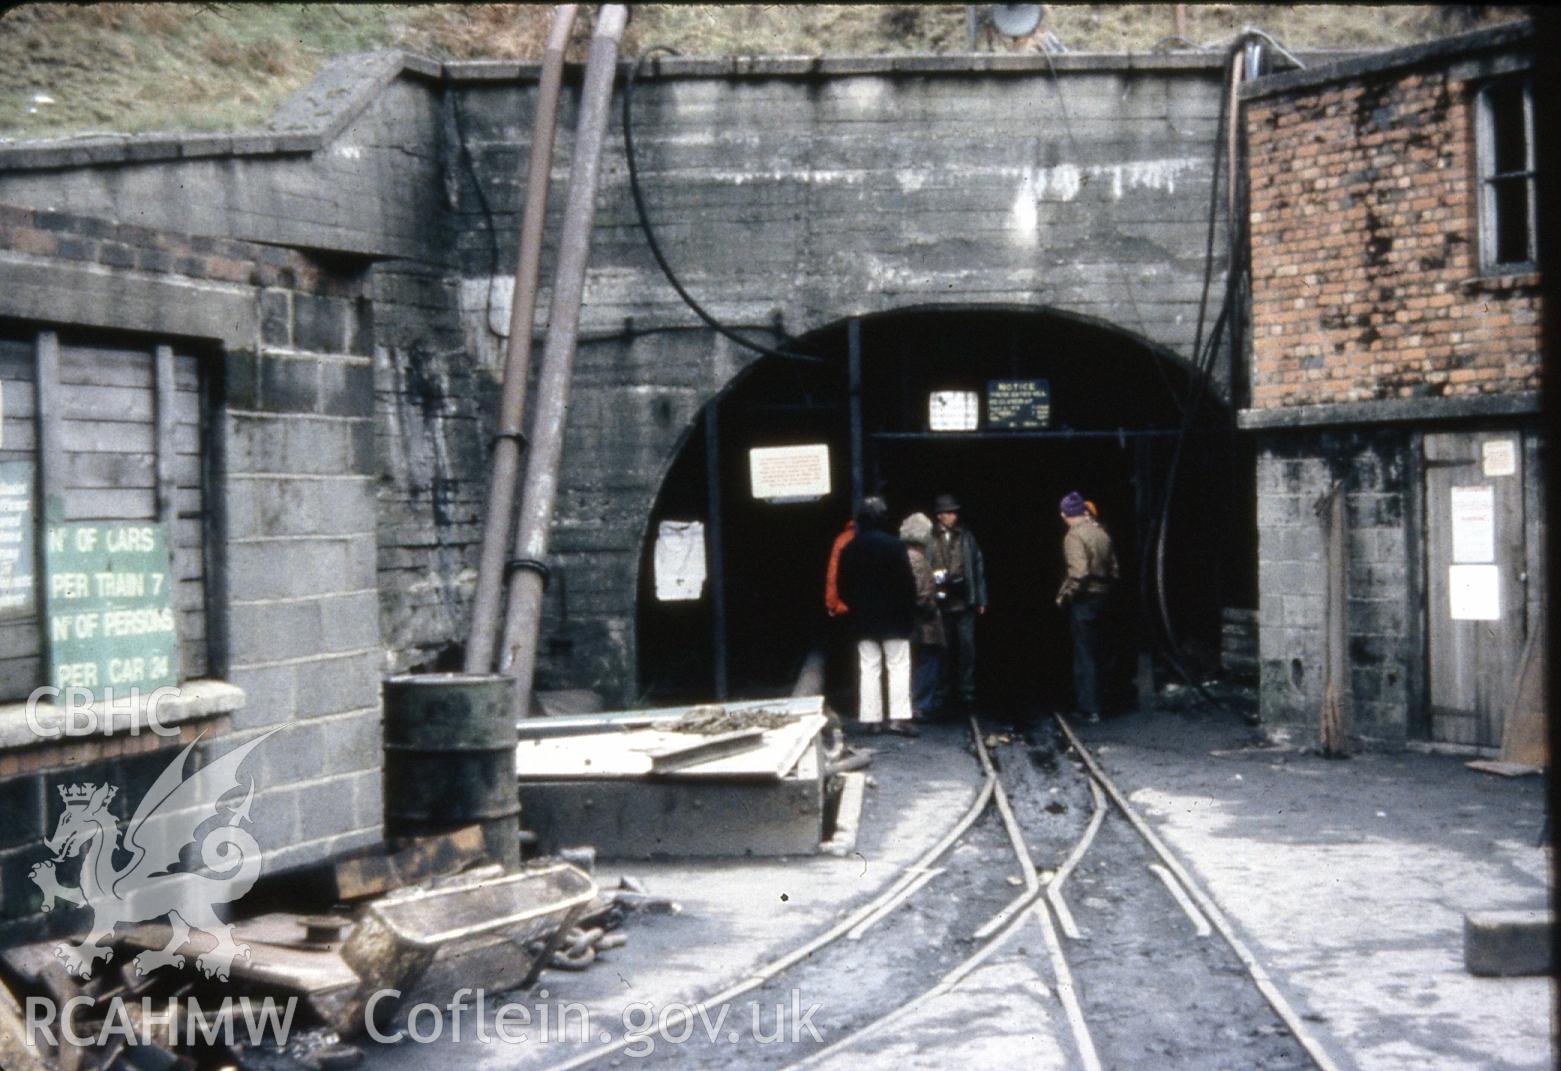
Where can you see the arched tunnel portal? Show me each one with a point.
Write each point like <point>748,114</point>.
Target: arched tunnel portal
<point>1116,403</point>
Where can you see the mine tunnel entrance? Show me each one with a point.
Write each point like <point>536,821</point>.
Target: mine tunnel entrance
<point>1110,431</point>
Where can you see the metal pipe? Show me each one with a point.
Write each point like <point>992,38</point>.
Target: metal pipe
<point>523,306</point>
<point>522,619</point>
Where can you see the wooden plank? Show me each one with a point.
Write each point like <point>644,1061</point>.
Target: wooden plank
<point>627,754</point>
<point>106,367</point>
<point>20,638</point>
<point>51,445</point>
<point>88,401</point>
<point>21,437</point>
<point>718,745</point>
<point>19,676</point>
<point>16,359</point>
<point>110,471</point>
<point>107,436</point>
<point>91,503</point>
<point>16,400</point>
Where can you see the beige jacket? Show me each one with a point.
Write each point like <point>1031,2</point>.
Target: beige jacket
<point>1091,561</point>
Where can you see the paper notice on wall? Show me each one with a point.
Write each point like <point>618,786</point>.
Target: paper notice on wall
<point>1499,457</point>
<point>1475,591</point>
<point>680,560</point>
<point>789,472</point>
<point>1474,524</point>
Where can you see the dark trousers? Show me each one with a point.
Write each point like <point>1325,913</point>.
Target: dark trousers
<point>926,667</point>
<point>959,660</point>
<point>1088,616</point>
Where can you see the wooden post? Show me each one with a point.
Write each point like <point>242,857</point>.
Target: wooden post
<point>164,410</point>
<point>1335,719</point>
<point>714,535</point>
<point>51,447</point>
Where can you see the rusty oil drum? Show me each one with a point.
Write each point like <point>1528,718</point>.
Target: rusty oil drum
<point>450,759</point>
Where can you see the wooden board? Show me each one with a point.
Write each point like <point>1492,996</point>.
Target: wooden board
<point>1472,664</point>
<point>629,753</point>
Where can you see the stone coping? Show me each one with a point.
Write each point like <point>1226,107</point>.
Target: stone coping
<point>1390,410</point>
<point>1447,49</point>
<point>195,700</point>
<point>313,116</point>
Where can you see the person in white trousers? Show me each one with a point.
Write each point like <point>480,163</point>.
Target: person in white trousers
<point>876,582</point>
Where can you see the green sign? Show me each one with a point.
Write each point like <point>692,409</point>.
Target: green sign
<point>1019,404</point>
<point>109,616</point>
<point>17,518</point>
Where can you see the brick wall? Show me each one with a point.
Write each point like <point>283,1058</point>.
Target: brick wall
<point>1365,268</point>
<point>288,342</point>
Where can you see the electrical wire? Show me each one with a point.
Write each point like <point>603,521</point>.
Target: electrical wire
<point>650,233</point>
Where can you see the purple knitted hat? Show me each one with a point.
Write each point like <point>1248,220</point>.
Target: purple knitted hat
<point>1072,504</point>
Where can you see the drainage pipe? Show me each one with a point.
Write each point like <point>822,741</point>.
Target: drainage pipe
<point>518,654</point>
<point>507,443</point>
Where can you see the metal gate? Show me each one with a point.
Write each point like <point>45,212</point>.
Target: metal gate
<point>1476,580</point>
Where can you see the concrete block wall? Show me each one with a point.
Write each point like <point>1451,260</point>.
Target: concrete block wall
<point>286,342</point>
<point>299,506</point>
<point>1366,278</point>
<point>1385,656</point>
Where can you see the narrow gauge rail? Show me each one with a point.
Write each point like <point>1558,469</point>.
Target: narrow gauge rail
<point>1041,902</point>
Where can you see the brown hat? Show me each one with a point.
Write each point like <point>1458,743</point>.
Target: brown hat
<point>945,504</point>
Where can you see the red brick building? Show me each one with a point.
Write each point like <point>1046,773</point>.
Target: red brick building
<point>1395,355</point>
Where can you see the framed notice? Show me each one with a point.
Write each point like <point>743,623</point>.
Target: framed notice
<point>108,599</point>
<point>1019,404</point>
<point>789,472</point>
<point>1474,524</point>
<point>953,410</point>
<point>17,520</point>
<point>1499,457</point>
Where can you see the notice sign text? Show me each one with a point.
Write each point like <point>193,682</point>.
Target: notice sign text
<point>110,621</point>
<point>16,539</point>
<point>789,472</point>
<point>1019,404</point>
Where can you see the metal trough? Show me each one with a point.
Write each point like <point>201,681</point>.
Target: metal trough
<point>472,935</point>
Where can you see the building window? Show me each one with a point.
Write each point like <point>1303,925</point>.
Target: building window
<point>1505,123</point>
<point>122,443</point>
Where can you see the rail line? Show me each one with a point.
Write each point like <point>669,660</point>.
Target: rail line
<point>1040,902</point>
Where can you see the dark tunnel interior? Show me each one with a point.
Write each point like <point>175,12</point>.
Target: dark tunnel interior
<point>1115,410</point>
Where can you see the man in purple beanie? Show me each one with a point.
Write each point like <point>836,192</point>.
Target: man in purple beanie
<point>1092,573</point>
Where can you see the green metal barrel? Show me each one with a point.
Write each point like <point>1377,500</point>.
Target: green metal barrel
<point>450,759</point>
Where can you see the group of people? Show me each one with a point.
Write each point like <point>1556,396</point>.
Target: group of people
<point>910,603</point>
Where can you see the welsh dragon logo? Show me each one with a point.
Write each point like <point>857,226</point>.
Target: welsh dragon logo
<point>144,888</point>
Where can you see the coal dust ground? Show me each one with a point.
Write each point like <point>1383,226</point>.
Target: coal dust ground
<point>1154,993</point>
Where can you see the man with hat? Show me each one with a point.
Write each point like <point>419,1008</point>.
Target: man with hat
<point>1092,573</point>
<point>960,576</point>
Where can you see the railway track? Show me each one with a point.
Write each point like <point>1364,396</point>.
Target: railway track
<point>1167,922</point>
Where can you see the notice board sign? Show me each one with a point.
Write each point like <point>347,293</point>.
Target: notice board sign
<point>108,599</point>
<point>17,520</point>
<point>1018,404</point>
<point>790,473</point>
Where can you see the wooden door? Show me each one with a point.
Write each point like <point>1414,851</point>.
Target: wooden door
<point>1477,604</point>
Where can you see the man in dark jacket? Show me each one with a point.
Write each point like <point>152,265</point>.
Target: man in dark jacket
<point>961,581</point>
<point>876,583</point>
